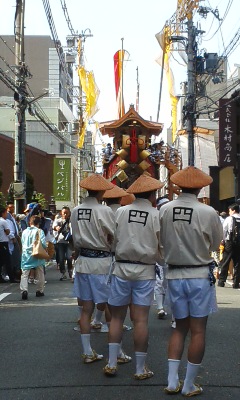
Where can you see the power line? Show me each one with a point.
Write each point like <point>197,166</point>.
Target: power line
<point>8,65</point>
<point>58,46</point>
<point>64,7</point>
<point>5,42</point>
<point>9,82</point>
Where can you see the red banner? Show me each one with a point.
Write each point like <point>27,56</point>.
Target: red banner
<point>119,58</point>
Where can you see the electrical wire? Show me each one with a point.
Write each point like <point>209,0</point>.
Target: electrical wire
<point>222,20</point>
<point>58,46</point>
<point>9,82</point>
<point>64,7</point>
<point>201,111</point>
<point>5,42</point>
<point>8,65</point>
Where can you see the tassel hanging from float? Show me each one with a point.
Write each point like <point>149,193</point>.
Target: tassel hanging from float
<point>133,147</point>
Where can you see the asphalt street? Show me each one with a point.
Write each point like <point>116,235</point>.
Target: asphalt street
<point>41,352</point>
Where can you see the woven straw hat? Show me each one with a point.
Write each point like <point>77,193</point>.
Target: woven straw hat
<point>114,193</point>
<point>191,178</point>
<point>95,182</point>
<point>126,200</point>
<point>144,184</point>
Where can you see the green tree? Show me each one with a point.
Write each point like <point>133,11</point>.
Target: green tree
<point>2,200</point>
<point>40,197</point>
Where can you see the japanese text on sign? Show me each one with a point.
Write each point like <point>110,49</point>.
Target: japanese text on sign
<point>227,133</point>
<point>62,179</point>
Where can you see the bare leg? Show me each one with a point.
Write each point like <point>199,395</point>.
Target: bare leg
<point>85,327</point>
<point>107,314</point>
<point>140,321</point>
<point>87,310</point>
<point>101,306</point>
<point>118,315</point>
<point>177,339</point>
<point>197,343</point>
<point>175,350</point>
<point>195,354</point>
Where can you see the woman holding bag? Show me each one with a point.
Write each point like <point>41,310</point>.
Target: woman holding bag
<point>29,261</point>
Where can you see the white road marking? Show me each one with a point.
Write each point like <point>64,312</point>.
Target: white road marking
<point>2,296</point>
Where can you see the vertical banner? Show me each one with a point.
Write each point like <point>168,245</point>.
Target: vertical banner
<point>62,179</point>
<point>227,133</point>
<point>118,71</point>
<point>119,57</point>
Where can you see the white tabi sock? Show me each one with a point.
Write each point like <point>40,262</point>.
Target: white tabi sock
<point>98,316</point>
<point>113,354</point>
<point>192,371</point>
<point>173,379</point>
<point>120,352</point>
<point>140,362</point>
<point>87,349</point>
<point>159,300</point>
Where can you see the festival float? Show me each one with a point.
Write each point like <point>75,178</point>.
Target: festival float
<point>133,153</point>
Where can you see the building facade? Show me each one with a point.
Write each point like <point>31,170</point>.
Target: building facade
<point>49,115</point>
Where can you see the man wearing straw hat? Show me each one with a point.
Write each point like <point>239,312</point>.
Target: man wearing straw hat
<point>137,250</point>
<point>93,231</point>
<point>195,231</point>
<point>112,199</point>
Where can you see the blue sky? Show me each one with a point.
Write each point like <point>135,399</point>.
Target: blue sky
<point>135,21</point>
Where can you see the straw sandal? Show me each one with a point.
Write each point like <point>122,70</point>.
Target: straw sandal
<point>96,326</point>
<point>145,375</point>
<point>174,391</point>
<point>124,359</point>
<point>110,371</point>
<point>195,392</point>
<point>87,359</point>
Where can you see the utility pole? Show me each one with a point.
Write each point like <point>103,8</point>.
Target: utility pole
<point>190,106</point>
<point>82,106</point>
<point>19,185</point>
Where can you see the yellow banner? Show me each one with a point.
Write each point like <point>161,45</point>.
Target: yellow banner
<point>90,89</point>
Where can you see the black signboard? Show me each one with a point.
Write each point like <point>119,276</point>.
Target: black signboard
<point>227,133</point>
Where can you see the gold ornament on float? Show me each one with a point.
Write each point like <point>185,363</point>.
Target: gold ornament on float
<point>122,164</point>
<point>125,141</point>
<point>144,154</point>
<point>122,176</point>
<point>144,165</point>
<point>141,141</point>
<point>122,153</point>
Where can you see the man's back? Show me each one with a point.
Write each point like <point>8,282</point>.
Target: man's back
<point>190,230</point>
<point>92,223</point>
<point>137,232</point>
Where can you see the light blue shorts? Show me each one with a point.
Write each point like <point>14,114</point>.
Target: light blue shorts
<point>124,292</point>
<point>91,287</point>
<point>192,297</point>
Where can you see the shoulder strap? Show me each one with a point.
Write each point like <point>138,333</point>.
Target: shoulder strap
<point>63,226</point>
<point>61,229</point>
